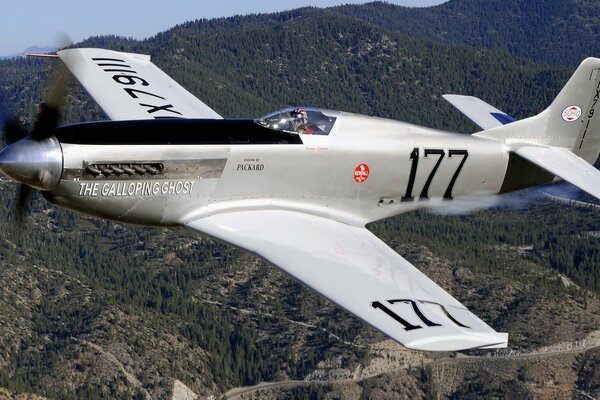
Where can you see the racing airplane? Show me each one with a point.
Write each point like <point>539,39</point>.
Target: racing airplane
<point>297,187</point>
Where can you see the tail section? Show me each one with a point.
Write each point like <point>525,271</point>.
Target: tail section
<point>564,139</point>
<point>572,121</point>
<point>575,113</point>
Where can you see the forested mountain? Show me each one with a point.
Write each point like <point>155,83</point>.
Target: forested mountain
<point>93,309</point>
<point>248,66</point>
<point>561,32</point>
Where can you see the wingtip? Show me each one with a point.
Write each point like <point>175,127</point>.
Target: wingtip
<point>461,342</point>
<point>42,55</point>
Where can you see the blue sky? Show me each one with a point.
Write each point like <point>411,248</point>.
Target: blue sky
<point>24,23</point>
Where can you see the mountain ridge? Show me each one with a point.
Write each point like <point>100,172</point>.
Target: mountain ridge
<point>555,31</point>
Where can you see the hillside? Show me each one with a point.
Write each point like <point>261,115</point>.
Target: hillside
<point>553,31</point>
<point>94,309</point>
<point>249,66</point>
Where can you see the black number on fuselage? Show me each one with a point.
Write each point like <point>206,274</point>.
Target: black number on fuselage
<point>414,157</point>
<point>465,154</point>
<point>441,153</point>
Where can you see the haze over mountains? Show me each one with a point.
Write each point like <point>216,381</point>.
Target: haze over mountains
<point>93,309</point>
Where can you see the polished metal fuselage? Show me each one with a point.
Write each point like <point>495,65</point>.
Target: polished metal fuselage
<point>316,177</point>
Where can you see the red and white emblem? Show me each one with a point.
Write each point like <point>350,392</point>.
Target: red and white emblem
<point>571,113</point>
<point>361,173</point>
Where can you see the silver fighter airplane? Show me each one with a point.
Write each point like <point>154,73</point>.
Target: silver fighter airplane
<point>298,186</point>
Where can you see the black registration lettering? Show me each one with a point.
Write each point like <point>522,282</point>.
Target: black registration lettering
<point>123,74</point>
<point>107,59</point>
<point>590,114</point>
<point>114,65</point>
<point>132,92</point>
<point>166,107</point>
<point>129,71</point>
<point>129,80</point>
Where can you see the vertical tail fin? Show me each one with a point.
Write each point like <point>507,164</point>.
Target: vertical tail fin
<point>571,121</point>
<point>575,113</point>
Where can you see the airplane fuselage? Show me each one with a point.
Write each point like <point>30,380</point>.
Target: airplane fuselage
<point>164,173</point>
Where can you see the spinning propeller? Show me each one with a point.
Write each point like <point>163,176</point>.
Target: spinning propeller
<point>34,159</point>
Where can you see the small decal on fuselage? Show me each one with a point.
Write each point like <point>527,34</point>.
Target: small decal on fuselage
<point>250,167</point>
<point>315,149</point>
<point>250,164</point>
<point>136,189</point>
<point>571,113</point>
<point>361,173</point>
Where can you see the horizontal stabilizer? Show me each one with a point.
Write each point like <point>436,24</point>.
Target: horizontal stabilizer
<point>478,111</point>
<point>563,163</point>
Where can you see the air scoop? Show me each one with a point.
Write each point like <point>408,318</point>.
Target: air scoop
<point>36,163</point>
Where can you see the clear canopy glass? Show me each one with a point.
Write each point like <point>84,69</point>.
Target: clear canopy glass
<point>306,121</point>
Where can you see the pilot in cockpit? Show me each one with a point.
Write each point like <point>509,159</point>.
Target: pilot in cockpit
<point>299,118</point>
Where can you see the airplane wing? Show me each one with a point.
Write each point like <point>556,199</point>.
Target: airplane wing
<point>353,268</point>
<point>129,87</point>
<point>483,114</point>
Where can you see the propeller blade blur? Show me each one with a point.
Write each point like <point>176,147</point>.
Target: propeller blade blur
<point>23,198</point>
<point>51,110</point>
<point>27,161</point>
<point>13,130</point>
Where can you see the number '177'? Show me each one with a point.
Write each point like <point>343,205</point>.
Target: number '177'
<point>440,153</point>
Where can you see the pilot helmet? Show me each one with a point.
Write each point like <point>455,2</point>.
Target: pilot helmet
<point>301,115</point>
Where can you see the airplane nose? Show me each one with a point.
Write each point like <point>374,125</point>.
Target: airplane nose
<point>36,163</point>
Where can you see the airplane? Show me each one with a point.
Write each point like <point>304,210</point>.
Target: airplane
<point>297,186</point>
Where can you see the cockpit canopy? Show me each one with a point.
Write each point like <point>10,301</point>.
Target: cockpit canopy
<point>306,121</point>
